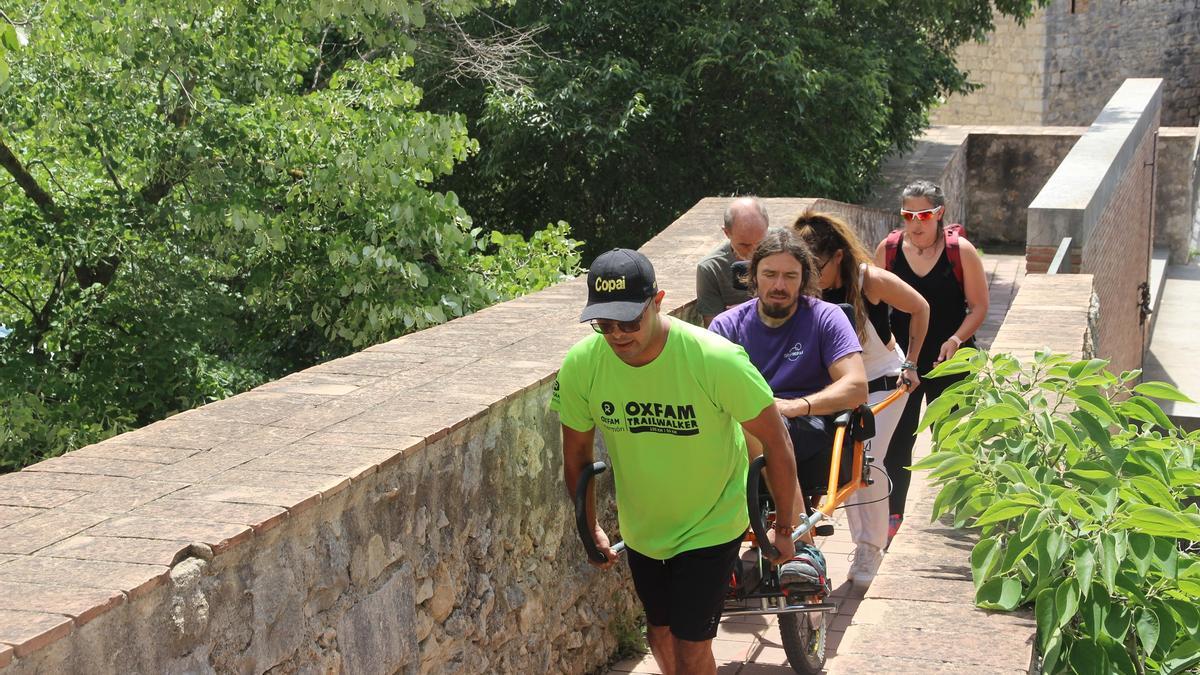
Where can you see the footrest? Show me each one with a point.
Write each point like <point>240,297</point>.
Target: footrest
<point>823,530</point>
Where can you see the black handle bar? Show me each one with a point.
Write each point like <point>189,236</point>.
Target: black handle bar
<point>755,509</point>
<point>581,524</point>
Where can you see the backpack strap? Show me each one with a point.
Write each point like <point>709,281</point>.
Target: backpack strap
<point>891,246</point>
<point>953,253</point>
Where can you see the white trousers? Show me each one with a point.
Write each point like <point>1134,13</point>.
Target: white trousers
<point>867,509</point>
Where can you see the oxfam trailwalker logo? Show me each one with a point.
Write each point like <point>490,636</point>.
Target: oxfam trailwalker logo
<point>642,417</point>
<point>661,418</point>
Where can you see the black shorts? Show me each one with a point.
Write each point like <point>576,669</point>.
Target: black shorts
<point>686,592</point>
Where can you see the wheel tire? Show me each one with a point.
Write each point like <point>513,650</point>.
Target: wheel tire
<point>803,641</point>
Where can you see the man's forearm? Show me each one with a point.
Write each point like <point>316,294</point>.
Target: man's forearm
<point>839,396</point>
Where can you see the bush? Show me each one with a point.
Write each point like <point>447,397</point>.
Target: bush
<point>1078,482</point>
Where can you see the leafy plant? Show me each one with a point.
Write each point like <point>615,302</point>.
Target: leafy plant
<point>201,195</point>
<point>1077,481</point>
<point>514,266</point>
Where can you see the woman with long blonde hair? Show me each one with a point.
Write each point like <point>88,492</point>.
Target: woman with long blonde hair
<point>846,275</point>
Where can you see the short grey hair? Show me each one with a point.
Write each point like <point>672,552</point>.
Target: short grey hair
<point>926,189</point>
<point>762,211</point>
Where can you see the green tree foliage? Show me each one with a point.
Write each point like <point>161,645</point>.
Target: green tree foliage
<point>631,110</point>
<point>1085,494</point>
<point>203,194</point>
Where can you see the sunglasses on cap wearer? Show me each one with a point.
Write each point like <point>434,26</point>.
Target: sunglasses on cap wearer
<point>606,326</point>
<point>927,214</point>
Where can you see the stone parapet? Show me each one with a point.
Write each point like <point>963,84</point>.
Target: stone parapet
<point>1101,197</point>
<point>397,510</point>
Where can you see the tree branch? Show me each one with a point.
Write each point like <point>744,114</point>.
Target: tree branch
<point>320,60</point>
<point>27,304</point>
<point>41,319</point>
<point>28,183</point>
<point>105,161</point>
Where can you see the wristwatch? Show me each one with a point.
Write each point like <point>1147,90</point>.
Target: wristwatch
<point>908,365</point>
<point>782,529</point>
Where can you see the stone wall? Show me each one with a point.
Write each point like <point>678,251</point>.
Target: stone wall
<point>396,510</point>
<point>1176,191</point>
<point>1010,67</point>
<point>1064,63</point>
<point>1091,51</point>
<point>1101,196</point>
<point>1006,170</point>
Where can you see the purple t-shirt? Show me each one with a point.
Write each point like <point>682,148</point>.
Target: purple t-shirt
<point>795,357</point>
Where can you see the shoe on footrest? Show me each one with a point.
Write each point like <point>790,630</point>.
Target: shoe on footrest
<point>805,574</point>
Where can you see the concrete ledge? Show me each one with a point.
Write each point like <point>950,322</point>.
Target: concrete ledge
<point>1072,201</point>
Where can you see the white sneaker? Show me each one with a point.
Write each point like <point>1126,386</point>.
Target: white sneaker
<point>865,561</point>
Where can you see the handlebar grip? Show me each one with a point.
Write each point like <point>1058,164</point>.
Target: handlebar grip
<point>752,505</point>
<point>585,534</point>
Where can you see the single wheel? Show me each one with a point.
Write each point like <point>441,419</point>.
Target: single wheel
<point>803,637</point>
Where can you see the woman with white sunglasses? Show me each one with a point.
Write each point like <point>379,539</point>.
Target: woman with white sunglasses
<point>946,270</point>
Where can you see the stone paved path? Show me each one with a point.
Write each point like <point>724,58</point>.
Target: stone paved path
<point>749,645</point>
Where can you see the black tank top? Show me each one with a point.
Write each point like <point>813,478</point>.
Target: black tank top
<point>877,314</point>
<point>947,307</point>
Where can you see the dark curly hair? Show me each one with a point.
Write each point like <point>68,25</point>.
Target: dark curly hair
<point>781,240</point>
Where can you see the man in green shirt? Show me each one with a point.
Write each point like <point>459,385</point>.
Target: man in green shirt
<point>671,401</point>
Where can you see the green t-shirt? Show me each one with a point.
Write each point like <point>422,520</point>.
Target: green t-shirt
<point>672,429</point>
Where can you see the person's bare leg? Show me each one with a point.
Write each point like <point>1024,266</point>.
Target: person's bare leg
<point>694,657</point>
<point>662,646</point>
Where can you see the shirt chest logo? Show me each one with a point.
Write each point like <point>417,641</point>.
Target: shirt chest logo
<point>795,352</point>
<point>640,417</point>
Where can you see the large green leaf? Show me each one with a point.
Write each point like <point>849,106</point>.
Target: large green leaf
<point>1085,563</point>
<point>1162,390</point>
<point>1003,509</point>
<point>984,557</point>
<point>1184,657</point>
<point>1147,627</point>
<point>999,593</point>
<point>1160,522</point>
<point>1087,657</point>
<point>1000,411</point>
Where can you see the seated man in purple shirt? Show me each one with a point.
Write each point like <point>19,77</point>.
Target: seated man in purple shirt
<point>808,352</point>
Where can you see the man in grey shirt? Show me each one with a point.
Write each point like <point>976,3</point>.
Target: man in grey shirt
<point>745,225</point>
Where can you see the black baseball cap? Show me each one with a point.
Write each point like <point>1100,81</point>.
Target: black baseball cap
<point>619,284</point>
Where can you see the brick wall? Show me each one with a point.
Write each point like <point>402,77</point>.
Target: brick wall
<point>1101,196</point>
<point>1117,253</point>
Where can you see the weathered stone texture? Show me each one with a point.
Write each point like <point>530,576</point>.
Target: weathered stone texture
<point>1064,63</point>
<point>1176,186</point>
<point>1004,173</point>
<point>1091,52</point>
<point>1010,68</point>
